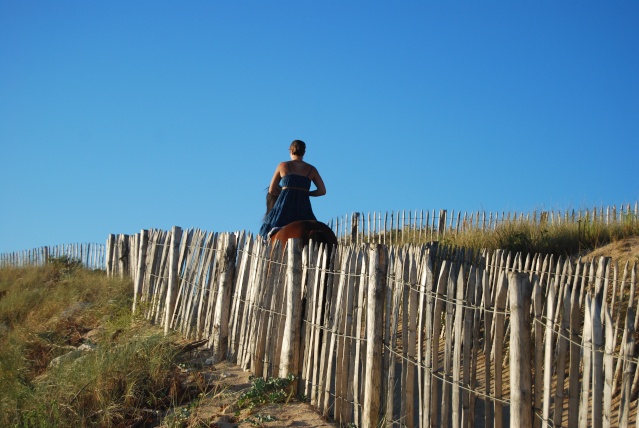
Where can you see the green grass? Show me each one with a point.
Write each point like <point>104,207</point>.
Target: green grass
<point>567,239</point>
<point>46,312</point>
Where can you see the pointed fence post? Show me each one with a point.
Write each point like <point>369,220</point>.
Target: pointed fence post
<point>289,355</point>
<point>520,289</point>
<point>378,265</point>
<point>110,253</point>
<point>141,268</point>
<point>171,290</point>
<point>220,335</point>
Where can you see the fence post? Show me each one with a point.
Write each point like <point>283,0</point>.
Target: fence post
<point>520,289</point>
<point>110,251</point>
<point>123,255</point>
<point>220,334</point>
<point>441,227</point>
<point>354,227</point>
<point>289,355</point>
<point>141,268</point>
<point>378,265</point>
<point>171,289</point>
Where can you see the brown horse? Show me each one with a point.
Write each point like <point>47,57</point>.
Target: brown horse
<point>305,230</point>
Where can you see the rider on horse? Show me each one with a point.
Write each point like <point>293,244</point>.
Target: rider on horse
<point>291,185</point>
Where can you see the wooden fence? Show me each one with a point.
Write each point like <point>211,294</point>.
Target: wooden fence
<point>420,225</point>
<point>405,336</point>
<point>92,256</point>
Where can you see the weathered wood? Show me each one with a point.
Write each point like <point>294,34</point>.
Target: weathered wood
<point>317,285</point>
<point>488,308</point>
<point>548,357</point>
<point>275,322</point>
<point>191,285</point>
<point>411,335</point>
<point>220,331</point>
<point>372,380</point>
<point>575,348</point>
<point>562,346</point>
<point>401,276</point>
<point>440,296</point>
<point>244,246</point>
<point>351,354</point>
<point>501,291</point>
<point>327,396</point>
<point>448,345</point>
<point>598,345</point>
<point>358,364</point>
<point>171,292</point>
<point>249,318</point>
<point>289,360</point>
<point>458,329</point>
<point>629,354</point>
<point>337,339</point>
<point>320,383</point>
<point>608,370</point>
<point>467,413</point>
<point>414,328</point>
<point>325,392</point>
<point>110,251</point>
<point>309,299</point>
<point>426,286</point>
<point>587,364</point>
<point>476,334</point>
<point>263,316</point>
<point>209,285</point>
<point>141,268</point>
<point>538,329</point>
<point>520,375</point>
<point>617,373</point>
<point>162,271</point>
<point>393,301</point>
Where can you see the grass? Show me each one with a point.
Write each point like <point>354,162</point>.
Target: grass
<point>47,312</point>
<point>131,373</point>
<point>566,239</point>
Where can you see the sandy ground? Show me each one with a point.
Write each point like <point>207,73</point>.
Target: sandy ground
<point>218,406</point>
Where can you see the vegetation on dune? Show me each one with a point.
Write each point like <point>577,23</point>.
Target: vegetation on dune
<point>127,372</point>
<point>130,372</point>
<point>567,239</point>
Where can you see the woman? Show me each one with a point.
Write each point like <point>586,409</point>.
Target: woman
<point>291,183</point>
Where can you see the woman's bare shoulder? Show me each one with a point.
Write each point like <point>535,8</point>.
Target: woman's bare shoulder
<point>282,167</point>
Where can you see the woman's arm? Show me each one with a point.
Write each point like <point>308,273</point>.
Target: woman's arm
<point>319,183</point>
<point>274,188</point>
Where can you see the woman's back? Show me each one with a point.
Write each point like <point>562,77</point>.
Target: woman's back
<point>291,183</point>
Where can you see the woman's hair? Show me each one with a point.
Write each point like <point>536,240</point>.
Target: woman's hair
<point>298,147</point>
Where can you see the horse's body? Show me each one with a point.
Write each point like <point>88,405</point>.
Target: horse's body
<point>305,230</point>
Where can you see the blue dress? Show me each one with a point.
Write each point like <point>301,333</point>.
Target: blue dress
<point>292,204</point>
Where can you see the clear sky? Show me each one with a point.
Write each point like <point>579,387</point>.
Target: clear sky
<point>117,116</point>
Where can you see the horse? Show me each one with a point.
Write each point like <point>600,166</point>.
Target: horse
<point>304,230</point>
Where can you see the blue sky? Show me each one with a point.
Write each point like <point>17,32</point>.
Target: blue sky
<point>117,116</point>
